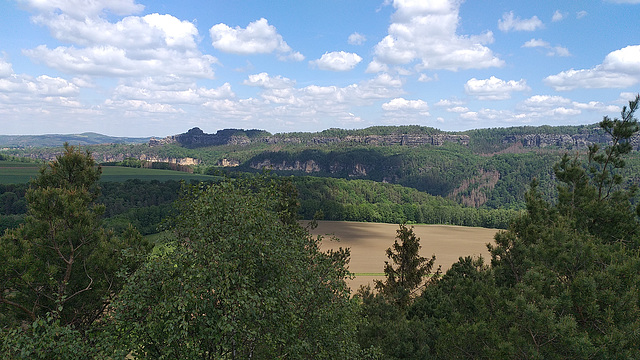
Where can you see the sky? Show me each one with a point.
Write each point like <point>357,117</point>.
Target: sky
<point>159,68</point>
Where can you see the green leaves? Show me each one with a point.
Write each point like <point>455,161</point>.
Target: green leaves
<point>61,261</point>
<point>243,280</point>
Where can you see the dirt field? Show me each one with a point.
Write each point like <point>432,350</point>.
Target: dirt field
<point>369,241</point>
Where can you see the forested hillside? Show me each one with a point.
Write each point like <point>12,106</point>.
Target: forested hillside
<point>485,168</point>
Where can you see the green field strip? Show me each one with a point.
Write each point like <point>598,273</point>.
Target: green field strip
<point>17,173</point>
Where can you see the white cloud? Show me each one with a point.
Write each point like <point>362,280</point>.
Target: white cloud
<point>357,39</point>
<point>458,109</point>
<point>552,50</point>
<point>449,103</point>
<point>426,31</point>
<point>265,81</point>
<point>403,104</point>
<point>153,44</point>
<point>128,106</point>
<point>536,43</point>
<point>581,14</point>
<point>112,61</point>
<point>543,102</point>
<point>625,97</point>
<point>5,68</point>
<point>376,67</point>
<point>162,90</point>
<point>337,61</point>
<point>558,16</point>
<point>494,88</point>
<point>22,86</point>
<point>427,78</point>
<point>509,22</point>
<point>280,101</point>
<point>559,51</point>
<point>620,69</point>
<point>257,38</point>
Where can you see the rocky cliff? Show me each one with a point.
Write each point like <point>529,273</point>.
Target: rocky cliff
<point>197,138</point>
<point>566,141</point>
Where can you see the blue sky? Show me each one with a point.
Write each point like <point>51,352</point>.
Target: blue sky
<point>157,68</point>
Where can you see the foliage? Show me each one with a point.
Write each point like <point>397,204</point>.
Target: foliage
<point>47,339</point>
<point>61,261</point>
<point>564,280</point>
<point>405,279</point>
<point>240,279</point>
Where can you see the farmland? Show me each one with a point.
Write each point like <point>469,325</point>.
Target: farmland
<point>369,241</point>
<point>18,172</point>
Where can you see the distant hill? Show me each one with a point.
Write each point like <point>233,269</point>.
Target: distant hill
<point>51,140</point>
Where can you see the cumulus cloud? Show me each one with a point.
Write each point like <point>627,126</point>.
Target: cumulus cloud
<point>257,38</point>
<point>403,104</point>
<point>620,69</point>
<point>265,81</point>
<point>280,100</point>
<point>376,67</point>
<point>510,22</point>
<point>5,68</point>
<point>153,44</point>
<point>494,88</point>
<point>113,61</point>
<point>356,39</point>
<point>551,50</point>
<point>580,14</point>
<point>128,106</point>
<point>22,86</point>
<point>164,90</point>
<point>427,31</point>
<point>337,61</point>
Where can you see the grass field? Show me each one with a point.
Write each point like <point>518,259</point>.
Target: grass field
<point>16,173</point>
<point>369,241</point>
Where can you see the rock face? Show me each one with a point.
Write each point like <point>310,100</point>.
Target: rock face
<point>566,141</point>
<point>197,138</point>
<point>395,139</point>
<point>306,166</point>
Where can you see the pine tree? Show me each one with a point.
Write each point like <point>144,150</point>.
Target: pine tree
<point>408,271</point>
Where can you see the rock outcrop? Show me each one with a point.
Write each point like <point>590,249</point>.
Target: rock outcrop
<point>308,167</point>
<point>579,141</point>
<point>197,138</point>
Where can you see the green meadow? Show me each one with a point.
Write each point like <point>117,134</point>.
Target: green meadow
<point>12,172</point>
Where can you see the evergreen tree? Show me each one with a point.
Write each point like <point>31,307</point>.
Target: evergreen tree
<point>408,271</point>
<point>61,261</point>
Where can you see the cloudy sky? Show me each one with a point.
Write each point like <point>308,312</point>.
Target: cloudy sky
<point>157,68</point>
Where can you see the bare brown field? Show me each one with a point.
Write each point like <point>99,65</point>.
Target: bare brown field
<point>369,241</point>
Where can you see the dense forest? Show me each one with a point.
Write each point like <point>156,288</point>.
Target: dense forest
<point>236,276</point>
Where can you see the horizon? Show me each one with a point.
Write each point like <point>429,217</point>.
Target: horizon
<point>290,132</point>
<point>139,68</point>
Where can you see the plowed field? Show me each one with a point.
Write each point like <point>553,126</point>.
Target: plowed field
<point>369,241</point>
